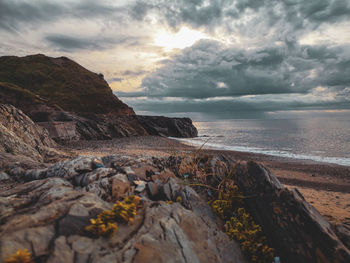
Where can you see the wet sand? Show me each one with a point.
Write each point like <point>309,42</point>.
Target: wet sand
<point>325,186</point>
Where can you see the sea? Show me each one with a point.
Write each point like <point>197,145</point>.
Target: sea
<point>310,136</point>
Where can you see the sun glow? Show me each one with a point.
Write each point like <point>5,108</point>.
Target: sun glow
<point>184,38</point>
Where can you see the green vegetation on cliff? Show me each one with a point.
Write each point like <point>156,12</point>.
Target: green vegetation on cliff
<point>61,81</point>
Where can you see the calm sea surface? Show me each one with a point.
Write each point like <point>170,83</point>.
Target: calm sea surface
<point>324,139</point>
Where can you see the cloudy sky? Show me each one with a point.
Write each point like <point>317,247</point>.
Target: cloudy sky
<point>218,57</point>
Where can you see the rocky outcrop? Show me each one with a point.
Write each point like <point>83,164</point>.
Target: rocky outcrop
<point>48,214</point>
<point>173,127</point>
<point>53,91</point>
<point>46,211</point>
<point>107,127</point>
<point>294,227</point>
<point>19,135</point>
<point>61,130</point>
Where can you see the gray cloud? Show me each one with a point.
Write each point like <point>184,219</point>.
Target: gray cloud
<point>134,73</point>
<point>234,107</point>
<point>115,80</point>
<point>209,69</point>
<point>70,44</point>
<point>287,15</point>
<point>17,15</point>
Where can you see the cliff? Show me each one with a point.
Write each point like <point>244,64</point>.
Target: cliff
<point>62,82</point>
<point>74,103</point>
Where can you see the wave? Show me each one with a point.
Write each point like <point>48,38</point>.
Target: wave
<point>217,146</point>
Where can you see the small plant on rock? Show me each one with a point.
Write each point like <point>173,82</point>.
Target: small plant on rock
<point>229,199</point>
<point>240,225</point>
<point>106,222</point>
<point>124,212</point>
<point>253,243</point>
<point>21,256</point>
<point>100,228</point>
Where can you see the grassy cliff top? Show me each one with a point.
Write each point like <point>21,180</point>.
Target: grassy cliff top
<point>63,82</point>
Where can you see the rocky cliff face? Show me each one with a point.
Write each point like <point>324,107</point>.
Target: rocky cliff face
<point>19,135</point>
<point>56,90</point>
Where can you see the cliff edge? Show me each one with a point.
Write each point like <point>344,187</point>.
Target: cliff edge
<point>74,103</point>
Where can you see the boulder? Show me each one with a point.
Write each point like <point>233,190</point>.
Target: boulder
<point>294,227</point>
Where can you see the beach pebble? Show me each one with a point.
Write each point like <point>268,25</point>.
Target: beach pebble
<point>140,186</point>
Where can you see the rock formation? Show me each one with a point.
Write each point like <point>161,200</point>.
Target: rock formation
<point>48,214</point>
<point>73,103</point>
<point>19,135</point>
<point>295,228</point>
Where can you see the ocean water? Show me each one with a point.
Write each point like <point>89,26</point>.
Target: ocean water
<point>318,138</point>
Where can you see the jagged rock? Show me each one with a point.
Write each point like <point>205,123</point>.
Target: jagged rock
<point>164,126</point>
<point>152,189</point>
<point>170,233</point>
<point>48,215</point>
<point>71,168</point>
<point>55,212</point>
<point>19,135</point>
<point>294,227</point>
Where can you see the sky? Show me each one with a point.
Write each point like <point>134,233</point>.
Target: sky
<point>197,58</point>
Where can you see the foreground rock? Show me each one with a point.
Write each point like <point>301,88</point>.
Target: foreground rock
<point>48,214</point>
<point>294,227</point>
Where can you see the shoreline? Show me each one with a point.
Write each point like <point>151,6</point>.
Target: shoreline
<point>279,154</point>
<point>325,186</point>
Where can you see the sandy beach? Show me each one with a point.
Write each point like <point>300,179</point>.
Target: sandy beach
<point>325,186</point>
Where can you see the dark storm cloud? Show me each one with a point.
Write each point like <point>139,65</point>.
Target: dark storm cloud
<point>70,44</point>
<point>209,69</point>
<point>16,15</point>
<point>296,14</point>
<point>200,13</point>
<point>175,13</point>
